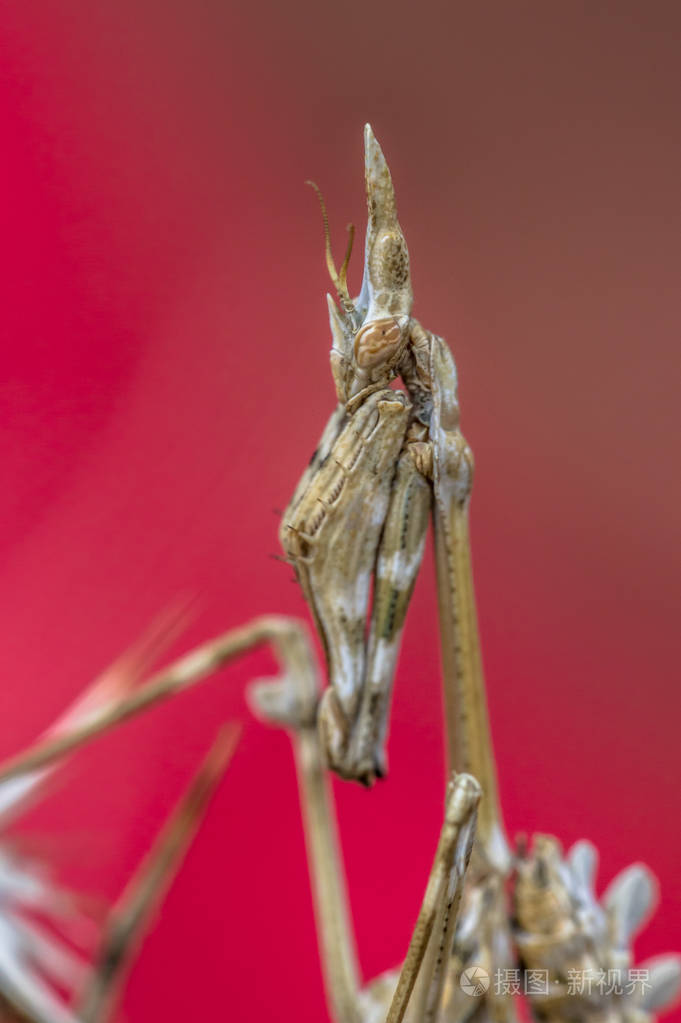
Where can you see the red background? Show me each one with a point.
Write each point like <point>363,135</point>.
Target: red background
<point>164,378</point>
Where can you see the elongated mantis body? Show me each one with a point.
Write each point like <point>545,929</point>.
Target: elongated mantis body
<point>389,460</point>
<point>354,531</point>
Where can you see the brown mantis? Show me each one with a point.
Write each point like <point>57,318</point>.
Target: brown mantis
<point>360,513</point>
<point>387,459</point>
<point>492,919</point>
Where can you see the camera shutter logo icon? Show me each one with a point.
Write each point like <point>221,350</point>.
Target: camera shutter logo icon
<point>474,981</point>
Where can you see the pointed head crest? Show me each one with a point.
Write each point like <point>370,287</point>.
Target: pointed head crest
<point>370,333</point>
<point>386,287</point>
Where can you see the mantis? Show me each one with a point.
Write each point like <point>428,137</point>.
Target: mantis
<point>391,458</point>
<point>388,460</point>
<point>493,917</point>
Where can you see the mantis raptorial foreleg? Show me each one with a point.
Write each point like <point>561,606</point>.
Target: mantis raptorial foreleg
<point>399,559</point>
<point>332,532</point>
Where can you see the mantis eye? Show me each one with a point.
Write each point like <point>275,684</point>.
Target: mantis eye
<point>377,342</point>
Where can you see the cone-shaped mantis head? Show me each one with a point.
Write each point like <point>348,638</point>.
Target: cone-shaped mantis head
<point>371,332</point>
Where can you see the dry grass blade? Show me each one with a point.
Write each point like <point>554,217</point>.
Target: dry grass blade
<point>132,914</point>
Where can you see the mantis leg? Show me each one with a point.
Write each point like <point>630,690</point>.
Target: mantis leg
<point>334,926</point>
<point>423,973</point>
<point>291,701</point>
<point>466,716</point>
<point>198,664</point>
<point>292,704</point>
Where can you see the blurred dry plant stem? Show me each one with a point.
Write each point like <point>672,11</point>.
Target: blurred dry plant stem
<point>493,919</point>
<point>32,955</point>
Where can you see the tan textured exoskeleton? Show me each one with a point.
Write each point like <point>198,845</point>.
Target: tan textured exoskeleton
<point>387,460</point>
<point>493,920</point>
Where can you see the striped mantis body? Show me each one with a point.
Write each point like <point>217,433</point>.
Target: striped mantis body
<point>389,461</point>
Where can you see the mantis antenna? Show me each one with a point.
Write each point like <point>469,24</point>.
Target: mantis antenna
<point>339,278</point>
